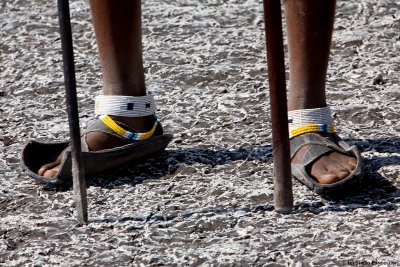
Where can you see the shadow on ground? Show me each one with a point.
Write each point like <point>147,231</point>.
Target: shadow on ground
<point>375,193</point>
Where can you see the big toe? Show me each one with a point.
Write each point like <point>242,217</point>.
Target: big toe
<point>332,177</point>
<point>48,169</point>
<point>51,173</point>
<point>326,178</point>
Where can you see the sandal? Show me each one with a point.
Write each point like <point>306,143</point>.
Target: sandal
<point>138,145</point>
<point>315,128</point>
<point>36,154</point>
<point>319,146</point>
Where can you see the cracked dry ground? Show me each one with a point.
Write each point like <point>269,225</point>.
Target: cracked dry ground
<point>208,198</point>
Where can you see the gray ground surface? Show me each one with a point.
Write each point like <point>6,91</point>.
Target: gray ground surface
<point>208,198</point>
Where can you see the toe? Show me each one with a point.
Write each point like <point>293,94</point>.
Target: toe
<point>333,168</point>
<point>46,167</point>
<point>322,175</point>
<point>340,175</point>
<point>330,177</point>
<point>327,178</point>
<point>351,164</point>
<point>51,173</point>
<point>339,170</point>
<point>342,168</point>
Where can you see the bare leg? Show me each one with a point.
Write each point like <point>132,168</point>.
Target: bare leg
<point>118,33</point>
<point>310,26</point>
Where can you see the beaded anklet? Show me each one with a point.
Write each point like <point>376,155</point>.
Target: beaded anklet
<point>132,136</point>
<point>126,106</point>
<point>316,120</point>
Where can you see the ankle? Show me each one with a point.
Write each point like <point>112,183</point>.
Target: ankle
<point>127,87</point>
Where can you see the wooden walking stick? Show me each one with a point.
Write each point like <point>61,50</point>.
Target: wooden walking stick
<point>283,195</point>
<point>78,172</point>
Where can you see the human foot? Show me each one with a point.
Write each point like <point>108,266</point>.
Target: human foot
<point>329,168</point>
<point>320,159</point>
<point>97,141</point>
<point>325,163</point>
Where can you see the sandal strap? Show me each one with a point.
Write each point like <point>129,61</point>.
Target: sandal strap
<point>100,126</point>
<point>318,146</point>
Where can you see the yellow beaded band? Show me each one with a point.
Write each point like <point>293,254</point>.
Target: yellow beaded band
<point>314,120</point>
<point>133,136</point>
<point>312,128</point>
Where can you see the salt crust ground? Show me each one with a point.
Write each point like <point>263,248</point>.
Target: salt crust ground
<point>208,199</point>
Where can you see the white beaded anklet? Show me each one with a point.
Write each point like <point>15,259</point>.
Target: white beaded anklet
<point>314,120</point>
<point>125,106</point>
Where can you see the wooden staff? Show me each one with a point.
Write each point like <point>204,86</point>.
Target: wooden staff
<point>283,195</point>
<point>78,172</point>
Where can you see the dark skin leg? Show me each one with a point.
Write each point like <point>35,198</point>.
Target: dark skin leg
<point>310,24</point>
<point>118,34</point>
<point>309,27</point>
